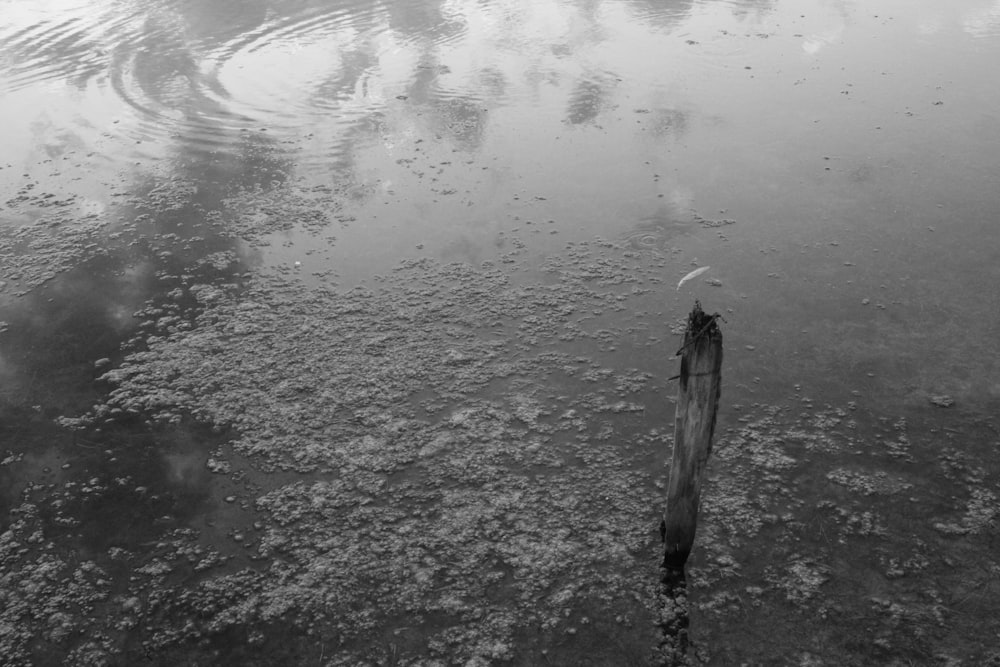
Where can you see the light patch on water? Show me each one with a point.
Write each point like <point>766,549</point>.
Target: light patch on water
<point>817,42</point>
<point>983,22</point>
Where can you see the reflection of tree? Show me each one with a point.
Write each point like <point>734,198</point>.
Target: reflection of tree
<point>422,20</point>
<point>462,118</point>
<point>164,45</point>
<point>755,9</point>
<point>213,22</point>
<point>587,100</point>
<point>668,14</point>
<point>167,73</point>
<point>668,122</point>
<point>492,82</point>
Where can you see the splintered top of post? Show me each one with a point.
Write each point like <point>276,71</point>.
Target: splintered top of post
<point>700,326</point>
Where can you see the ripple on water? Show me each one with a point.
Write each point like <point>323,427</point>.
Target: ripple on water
<point>663,14</point>
<point>130,70</point>
<point>40,43</point>
<point>657,233</point>
<point>324,64</point>
<point>165,80</point>
<point>285,73</point>
<point>984,23</point>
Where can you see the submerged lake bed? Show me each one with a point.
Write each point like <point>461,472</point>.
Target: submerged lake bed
<point>342,333</point>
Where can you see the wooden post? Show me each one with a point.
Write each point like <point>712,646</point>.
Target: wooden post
<point>697,404</point>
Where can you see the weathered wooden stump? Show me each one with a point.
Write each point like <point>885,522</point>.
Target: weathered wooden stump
<point>697,405</point>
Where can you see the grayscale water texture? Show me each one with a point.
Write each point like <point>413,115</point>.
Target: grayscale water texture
<point>339,333</point>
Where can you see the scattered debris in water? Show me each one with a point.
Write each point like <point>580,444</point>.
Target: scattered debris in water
<point>426,452</point>
<point>942,401</point>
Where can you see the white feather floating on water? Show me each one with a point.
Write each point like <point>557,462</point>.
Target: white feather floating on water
<point>693,274</point>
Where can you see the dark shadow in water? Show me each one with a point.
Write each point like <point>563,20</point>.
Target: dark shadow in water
<point>124,483</point>
<point>56,332</point>
<point>751,9</point>
<point>126,489</point>
<point>668,15</point>
<point>128,482</point>
<point>423,20</point>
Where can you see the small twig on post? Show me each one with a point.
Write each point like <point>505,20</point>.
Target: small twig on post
<point>697,405</point>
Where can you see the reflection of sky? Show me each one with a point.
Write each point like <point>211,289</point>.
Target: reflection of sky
<point>979,18</point>
<point>815,43</point>
<point>148,75</point>
<point>608,111</point>
<point>318,76</point>
<point>322,69</point>
<point>983,22</point>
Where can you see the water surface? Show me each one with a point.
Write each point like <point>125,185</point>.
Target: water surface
<point>415,262</point>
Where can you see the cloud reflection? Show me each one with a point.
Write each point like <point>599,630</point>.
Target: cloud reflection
<point>984,22</point>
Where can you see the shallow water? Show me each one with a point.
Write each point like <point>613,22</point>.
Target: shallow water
<point>266,219</point>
